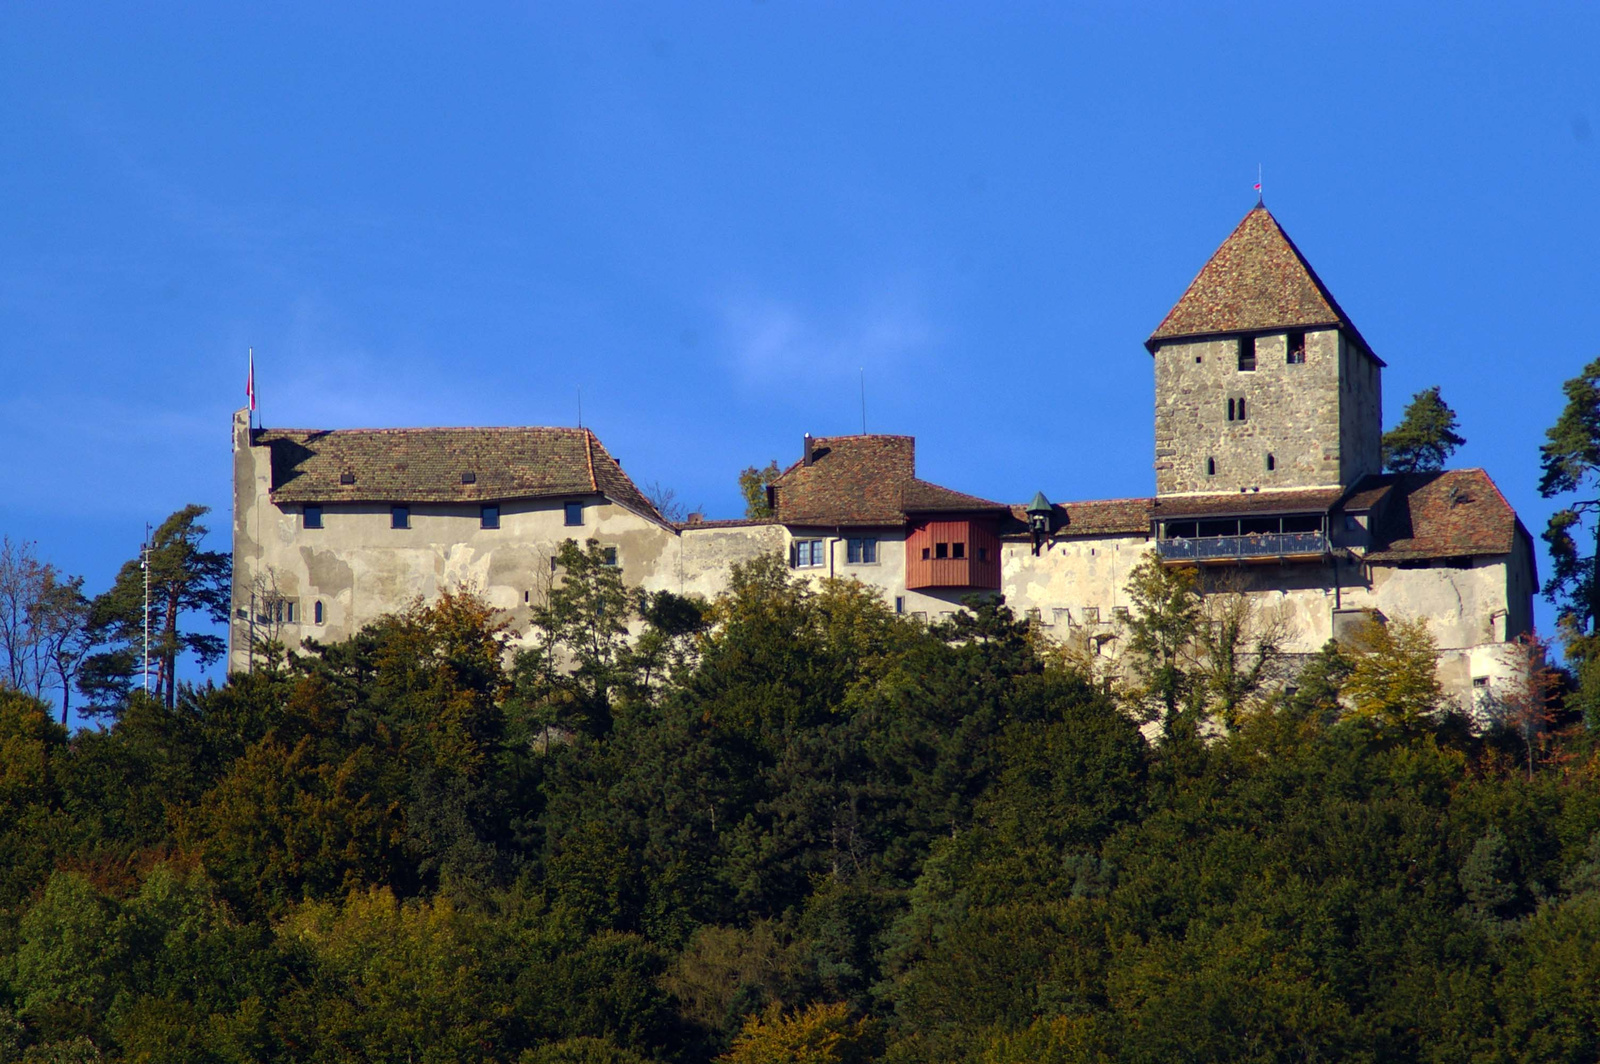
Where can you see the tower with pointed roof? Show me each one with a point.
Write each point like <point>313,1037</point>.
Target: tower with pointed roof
<point>1262,382</point>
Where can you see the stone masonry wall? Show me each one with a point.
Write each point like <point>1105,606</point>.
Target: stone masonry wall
<point>1292,412</point>
<point>1360,412</point>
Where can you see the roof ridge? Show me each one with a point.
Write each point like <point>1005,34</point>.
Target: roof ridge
<point>588,450</point>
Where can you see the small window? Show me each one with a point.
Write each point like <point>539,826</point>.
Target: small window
<point>862,552</point>
<point>1272,463</point>
<point>1241,408</point>
<point>311,517</point>
<point>983,554</point>
<point>469,477</point>
<point>1296,343</point>
<point>810,553</point>
<point>399,517</point>
<point>1230,409</point>
<point>899,604</point>
<point>1247,353</point>
<point>574,513</point>
<point>316,612</point>
<point>1211,467</point>
<point>958,550</point>
<point>608,557</point>
<point>924,553</point>
<point>489,516</point>
<point>554,563</point>
<point>941,550</point>
<point>1480,681</point>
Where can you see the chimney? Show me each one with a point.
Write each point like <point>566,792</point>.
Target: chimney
<point>697,518</point>
<point>805,450</point>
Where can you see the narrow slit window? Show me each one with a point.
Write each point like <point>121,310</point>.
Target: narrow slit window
<point>316,612</point>
<point>1211,467</point>
<point>1247,353</point>
<point>1241,408</point>
<point>1230,410</point>
<point>1272,463</point>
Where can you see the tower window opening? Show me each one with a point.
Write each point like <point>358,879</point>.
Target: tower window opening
<point>1296,345</point>
<point>1230,410</point>
<point>1241,408</point>
<point>1211,467</point>
<point>1247,352</point>
<point>1272,463</point>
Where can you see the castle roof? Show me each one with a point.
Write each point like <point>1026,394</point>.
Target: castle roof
<point>1094,517</point>
<point>1257,281</point>
<point>866,481</point>
<point>1454,513</point>
<point>444,465</point>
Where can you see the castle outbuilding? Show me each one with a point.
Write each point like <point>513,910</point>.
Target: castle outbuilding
<point>1268,427</point>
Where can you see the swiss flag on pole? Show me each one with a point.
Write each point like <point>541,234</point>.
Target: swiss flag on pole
<point>250,382</point>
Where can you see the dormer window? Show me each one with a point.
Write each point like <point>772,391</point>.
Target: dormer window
<point>1247,353</point>
<point>1296,345</point>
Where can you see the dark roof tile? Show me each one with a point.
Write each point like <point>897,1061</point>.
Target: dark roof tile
<point>863,481</point>
<point>426,465</point>
<point>1257,281</point>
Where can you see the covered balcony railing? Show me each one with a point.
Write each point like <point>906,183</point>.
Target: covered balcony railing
<point>1243,538</point>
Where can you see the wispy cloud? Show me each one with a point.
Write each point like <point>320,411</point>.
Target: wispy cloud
<point>769,341</point>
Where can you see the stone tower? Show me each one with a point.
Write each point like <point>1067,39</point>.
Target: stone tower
<point>1262,382</point>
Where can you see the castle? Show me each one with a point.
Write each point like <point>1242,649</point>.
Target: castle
<point>1267,460</point>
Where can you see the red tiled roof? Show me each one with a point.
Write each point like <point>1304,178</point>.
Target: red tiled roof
<point>1450,514</point>
<point>1257,281</point>
<point>426,465</point>
<point>1096,517</point>
<point>864,481</point>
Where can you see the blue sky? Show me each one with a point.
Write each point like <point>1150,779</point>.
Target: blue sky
<point>712,217</point>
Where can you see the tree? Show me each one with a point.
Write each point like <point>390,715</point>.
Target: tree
<point>818,1034</point>
<point>184,580</point>
<point>60,620</point>
<point>583,623</point>
<point>753,484</point>
<point>1425,437</point>
<point>1394,682</point>
<point>1162,625</point>
<point>22,582</point>
<point>665,500</point>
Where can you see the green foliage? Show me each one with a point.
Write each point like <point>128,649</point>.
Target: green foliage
<point>1425,438</point>
<point>183,580</point>
<point>790,825</point>
<point>753,484</point>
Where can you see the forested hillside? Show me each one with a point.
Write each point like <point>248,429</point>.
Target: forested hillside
<point>792,826</point>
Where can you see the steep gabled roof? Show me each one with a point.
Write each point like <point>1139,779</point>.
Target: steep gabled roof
<point>1257,281</point>
<point>863,481</point>
<point>427,465</point>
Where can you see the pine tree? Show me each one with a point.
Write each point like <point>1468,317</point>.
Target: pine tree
<point>1425,437</point>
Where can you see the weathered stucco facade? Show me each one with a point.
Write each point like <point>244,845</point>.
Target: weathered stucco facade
<point>1267,462</point>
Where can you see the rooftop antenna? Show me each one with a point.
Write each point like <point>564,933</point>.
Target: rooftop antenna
<point>580,406</point>
<point>863,400</point>
<point>144,564</point>
<point>1259,197</point>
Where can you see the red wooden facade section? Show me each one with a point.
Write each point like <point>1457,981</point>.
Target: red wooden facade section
<point>959,553</point>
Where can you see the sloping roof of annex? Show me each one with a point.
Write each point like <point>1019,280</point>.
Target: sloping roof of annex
<point>445,465</point>
<point>865,481</point>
